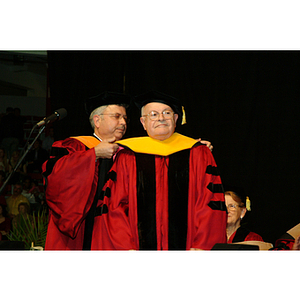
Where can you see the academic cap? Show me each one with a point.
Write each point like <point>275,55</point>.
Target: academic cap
<point>106,98</point>
<point>155,96</point>
<point>240,192</point>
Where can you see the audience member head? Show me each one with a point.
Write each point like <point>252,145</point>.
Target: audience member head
<point>23,208</point>
<point>9,110</point>
<point>17,111</point>
<point>37,144</point>
<point>17,190</point>
<point>27,183</point>
<point>15,156</point>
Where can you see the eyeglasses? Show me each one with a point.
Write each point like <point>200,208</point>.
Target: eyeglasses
<point>154,115</point>
<point>232,206</point>
<point>117,116</point>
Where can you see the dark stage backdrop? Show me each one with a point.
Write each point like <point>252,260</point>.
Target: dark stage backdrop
<point>245,102</point>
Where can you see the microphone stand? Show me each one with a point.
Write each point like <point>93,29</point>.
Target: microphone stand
<point>21,159</point>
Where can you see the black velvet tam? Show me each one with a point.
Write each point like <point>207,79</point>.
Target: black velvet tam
<point>155,96</point>
<point>106,98</point>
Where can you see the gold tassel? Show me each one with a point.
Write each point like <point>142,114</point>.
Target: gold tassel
<point>183,116</point>
<point>248,204</point>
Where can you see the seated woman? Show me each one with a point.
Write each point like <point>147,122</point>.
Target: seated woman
<point>237,208</point>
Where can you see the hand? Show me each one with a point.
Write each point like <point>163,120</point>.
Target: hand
<point>207,143</point>
<point>106,149</point>
<point>296,245</point>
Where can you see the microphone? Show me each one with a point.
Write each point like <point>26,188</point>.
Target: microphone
<point>58,115</point>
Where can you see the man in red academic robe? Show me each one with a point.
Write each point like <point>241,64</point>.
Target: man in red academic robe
<point>75,173</point>
<point>164,191</point>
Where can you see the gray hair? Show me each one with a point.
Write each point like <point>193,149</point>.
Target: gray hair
<point>98,111</point>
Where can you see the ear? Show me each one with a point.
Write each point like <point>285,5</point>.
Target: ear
<point>244,210</point>
<point>175,118</point>
<point>96,120</point>
<point>142,119</point>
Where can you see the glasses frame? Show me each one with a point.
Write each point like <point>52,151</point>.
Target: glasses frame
<point>233,206</point>
<point>117,116</point>
<point>155,118</point>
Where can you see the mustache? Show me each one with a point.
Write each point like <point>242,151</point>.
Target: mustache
<point>161,122</point>
<point>121,127</point>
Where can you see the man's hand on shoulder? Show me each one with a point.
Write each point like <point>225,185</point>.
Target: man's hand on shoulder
<point>207,143</point>
<point>106,149</point>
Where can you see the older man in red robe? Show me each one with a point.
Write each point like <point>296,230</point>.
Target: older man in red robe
<point>164,191</point>
<point>76,173</point>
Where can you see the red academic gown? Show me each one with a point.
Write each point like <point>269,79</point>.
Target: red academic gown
<point>72,177</point>
<point>243,234</point>
<point>284,243</point>
<point>162,202</point>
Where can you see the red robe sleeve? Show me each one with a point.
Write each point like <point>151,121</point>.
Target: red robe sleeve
<point>71,185</point>
<point>207,215</point>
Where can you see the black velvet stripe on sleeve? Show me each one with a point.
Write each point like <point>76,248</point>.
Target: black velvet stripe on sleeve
<point>217,205</point>
<point>178,199</point>
<point>99,211</point>
<point>57,153</point>
<point>212,170</point>
<point>112,175</point>
<point>215,188</point>
<point>146,201</point>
